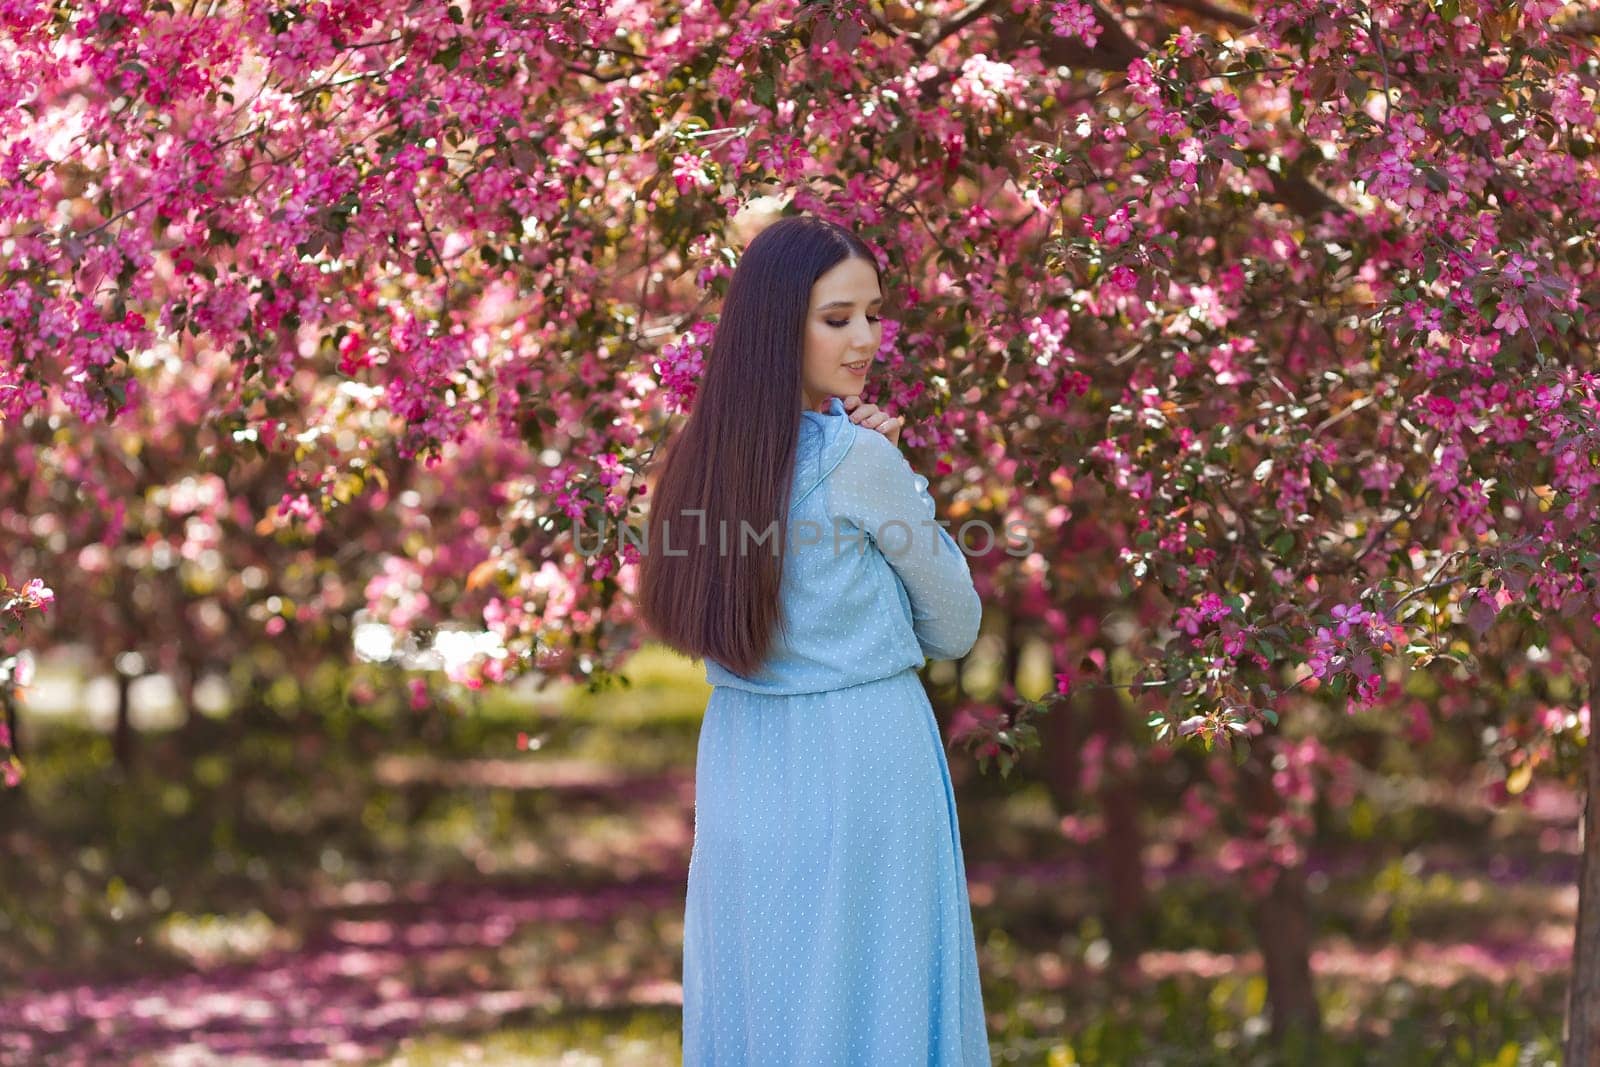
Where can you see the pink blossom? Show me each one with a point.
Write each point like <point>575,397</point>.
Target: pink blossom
<point>689,173</point>
<point>1073,18</point>
<point>38,593</point>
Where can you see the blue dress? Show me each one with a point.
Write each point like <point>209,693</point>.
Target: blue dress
<point>827,922</point>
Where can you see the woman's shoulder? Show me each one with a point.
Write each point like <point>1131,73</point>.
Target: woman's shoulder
<point>850,456</point>
<point>868,456</point>
<point>825,441</point>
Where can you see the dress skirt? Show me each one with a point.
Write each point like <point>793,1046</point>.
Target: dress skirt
<point>827,919</point>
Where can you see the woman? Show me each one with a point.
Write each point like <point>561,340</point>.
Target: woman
<point>792,548</point>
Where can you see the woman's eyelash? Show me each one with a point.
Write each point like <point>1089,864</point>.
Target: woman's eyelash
<point>846,322</point>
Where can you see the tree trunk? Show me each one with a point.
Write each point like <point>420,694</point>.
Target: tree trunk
<point>1282,918</point>
<point>1122,842</point>
<point>8,697</point>
<point>190,666</point>
<point>1120,849</point>
<point>15,805</point>
<point>1061,735</point>
<point>122,732</point>
<point>1283,932</point>
<point>1583,995</point>
<point>16,796</point>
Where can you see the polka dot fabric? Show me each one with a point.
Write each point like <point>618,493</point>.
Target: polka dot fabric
<point>827,920</point>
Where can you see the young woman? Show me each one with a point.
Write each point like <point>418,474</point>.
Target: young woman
<point>792,547</point>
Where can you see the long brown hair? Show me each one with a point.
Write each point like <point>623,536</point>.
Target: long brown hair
<point>734,460</point>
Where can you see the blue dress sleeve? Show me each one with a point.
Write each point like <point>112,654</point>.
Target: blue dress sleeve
<point>875,490</point>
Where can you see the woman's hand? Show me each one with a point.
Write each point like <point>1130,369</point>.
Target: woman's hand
<point>874,418</point>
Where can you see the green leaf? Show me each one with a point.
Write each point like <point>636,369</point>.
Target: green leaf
<point>765,91</point>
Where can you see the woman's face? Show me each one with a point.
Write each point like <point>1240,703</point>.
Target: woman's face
<point>843,332</point>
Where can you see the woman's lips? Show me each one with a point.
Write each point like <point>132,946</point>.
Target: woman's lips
<point>858,368</point>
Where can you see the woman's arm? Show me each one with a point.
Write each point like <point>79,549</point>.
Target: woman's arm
<point>875,489</point>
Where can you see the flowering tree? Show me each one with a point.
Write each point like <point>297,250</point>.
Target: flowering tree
<point>176,544</point>
<point>1288,317</point>
<point>1362,435</point>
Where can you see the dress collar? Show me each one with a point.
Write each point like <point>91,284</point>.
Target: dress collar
<point>835,410</point>
<point>824,439</point>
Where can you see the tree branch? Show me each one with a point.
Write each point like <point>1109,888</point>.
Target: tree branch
<point>1236,19</point>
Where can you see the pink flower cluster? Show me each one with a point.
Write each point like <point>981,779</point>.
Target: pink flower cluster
<point>1211,608</point>
<point>680,364</point>
<point>1352,645</point>
<point>1074,18</point>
